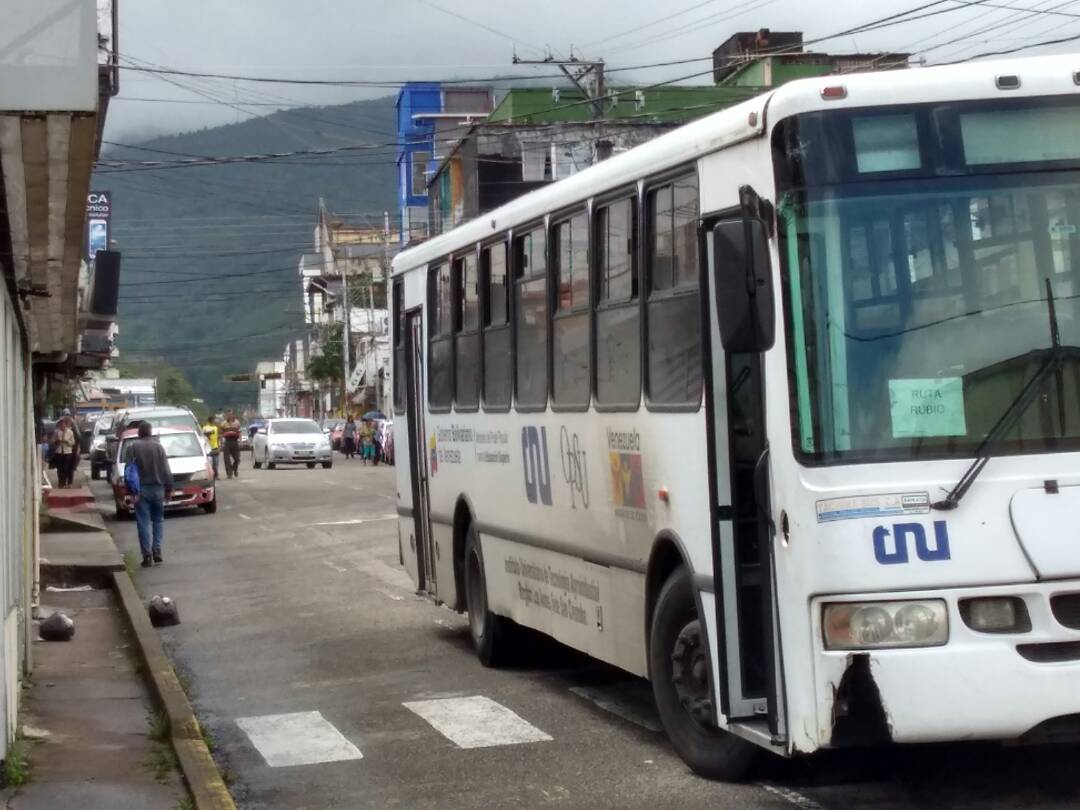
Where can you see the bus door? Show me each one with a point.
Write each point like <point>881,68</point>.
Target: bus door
<point>751,688</point>
<point>425,559</point>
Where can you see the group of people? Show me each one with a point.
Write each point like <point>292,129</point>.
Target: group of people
<point>362,440</point>
<point>225,436</point>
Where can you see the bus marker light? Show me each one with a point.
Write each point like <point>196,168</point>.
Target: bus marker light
<point>996,614</point>
<point>834,92</point>
<point>664,495</point>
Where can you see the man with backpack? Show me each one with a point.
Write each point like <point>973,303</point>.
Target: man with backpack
<point>149,480</point>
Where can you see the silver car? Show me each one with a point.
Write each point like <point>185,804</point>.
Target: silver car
<point>291,441</point>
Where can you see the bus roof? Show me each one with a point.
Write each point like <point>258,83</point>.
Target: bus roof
<point>1039,75</point>
<point>672,149</point>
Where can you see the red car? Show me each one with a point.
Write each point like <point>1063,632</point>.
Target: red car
<point>193,474</point>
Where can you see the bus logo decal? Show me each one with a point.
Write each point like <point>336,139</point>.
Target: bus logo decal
<point>575,469</point>
<point>896,551</point>
<point>534,455</point>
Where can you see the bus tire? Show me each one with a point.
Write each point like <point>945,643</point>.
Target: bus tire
<point>678,667</point>
<point>489,632</point>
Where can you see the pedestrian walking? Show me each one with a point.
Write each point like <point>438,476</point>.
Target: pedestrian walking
<point>348,437</point>
<point>230,432</point>
<point>367,441</point>
<point>213,438</point>
<point>64,441</point>
<point>155,487</point>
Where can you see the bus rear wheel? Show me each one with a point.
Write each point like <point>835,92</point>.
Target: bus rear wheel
<point>490,633</point>
<point>678,665</point>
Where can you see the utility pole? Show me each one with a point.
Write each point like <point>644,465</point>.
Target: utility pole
<point>345,340</point>
<point>586,75</point>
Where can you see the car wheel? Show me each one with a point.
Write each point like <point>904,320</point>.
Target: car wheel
<point>271,465</point>
<point>491,634</point>
<point>255,462</point>
<point>327,465</point>
<point>211,507</point>
<point>678,668</point>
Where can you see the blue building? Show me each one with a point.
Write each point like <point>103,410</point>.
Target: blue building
<point>415,145</point>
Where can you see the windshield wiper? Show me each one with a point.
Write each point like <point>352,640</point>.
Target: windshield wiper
<point>1015,409</point>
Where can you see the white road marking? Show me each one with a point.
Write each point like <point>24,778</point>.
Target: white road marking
<point>300,738</point>
<point>245,517</point>
<point>356,521</point>
<point>609,701</point>
<point>389,595</point>
<point>791,797</point>
<point>337,568</point>
<point>476,722</point>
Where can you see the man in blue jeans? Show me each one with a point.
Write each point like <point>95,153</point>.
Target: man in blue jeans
<point>155,486</point>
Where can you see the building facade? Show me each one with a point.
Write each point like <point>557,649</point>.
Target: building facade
<point>57,72</point>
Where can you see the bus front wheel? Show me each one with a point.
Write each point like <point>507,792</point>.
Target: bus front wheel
<point>678,664</point>
<point>490,633</point>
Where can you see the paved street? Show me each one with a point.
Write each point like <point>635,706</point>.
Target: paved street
<point>323,681</point>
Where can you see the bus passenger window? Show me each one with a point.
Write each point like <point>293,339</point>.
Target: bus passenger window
<point>673,308</point>
<point>440,357</point>
<point>618,317</point>
<point>570,322</point>
<point>496,328</point>
<point>530,319</point>
<point>467,333</point>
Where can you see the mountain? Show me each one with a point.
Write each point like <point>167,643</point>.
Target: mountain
<point>209,272</point>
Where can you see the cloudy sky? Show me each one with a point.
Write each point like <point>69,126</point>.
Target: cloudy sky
<point>358,40</point>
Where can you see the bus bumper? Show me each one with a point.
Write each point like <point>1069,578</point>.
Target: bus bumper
<point>978,685</point>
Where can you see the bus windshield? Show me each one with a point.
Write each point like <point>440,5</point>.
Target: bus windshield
<point>917,309</point>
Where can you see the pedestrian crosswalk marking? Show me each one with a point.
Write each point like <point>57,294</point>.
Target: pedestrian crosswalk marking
<point>476,722</point>
<point>299,738</point>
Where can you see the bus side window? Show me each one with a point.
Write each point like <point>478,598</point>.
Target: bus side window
<point>399,347</point>
<point>618,316</point>
<point>570,321</point>
<point>466,333</point>
<point>530,320</point>
<point>440,357</point>
<point>496,322</point>
<point>673,313</point>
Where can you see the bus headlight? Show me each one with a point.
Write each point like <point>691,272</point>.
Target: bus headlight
<point>862,625</point>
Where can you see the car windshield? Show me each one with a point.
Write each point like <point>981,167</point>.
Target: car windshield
<point>295,426</point>
<point>178,419</point>
<point>917,309</point>
<point>177,445</point>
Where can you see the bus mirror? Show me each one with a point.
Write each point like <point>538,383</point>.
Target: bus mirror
<point>743,284</point>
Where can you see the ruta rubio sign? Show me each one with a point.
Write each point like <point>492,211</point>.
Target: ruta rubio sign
<point>98,222</point>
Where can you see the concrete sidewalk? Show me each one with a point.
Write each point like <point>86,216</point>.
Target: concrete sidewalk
<point>88,718</point>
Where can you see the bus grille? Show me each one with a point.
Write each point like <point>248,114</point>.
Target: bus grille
<point>1066,609</point>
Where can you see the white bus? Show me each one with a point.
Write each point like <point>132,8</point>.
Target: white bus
<point>778,410</point>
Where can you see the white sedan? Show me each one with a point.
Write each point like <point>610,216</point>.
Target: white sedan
<point>291,441</point>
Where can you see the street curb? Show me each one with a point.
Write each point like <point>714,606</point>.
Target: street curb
<point>200,772</point>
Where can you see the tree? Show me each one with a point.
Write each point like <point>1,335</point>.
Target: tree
<point>329,364</point>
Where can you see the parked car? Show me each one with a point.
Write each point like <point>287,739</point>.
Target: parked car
<point>337,434</point>
<point>291,441</point>
<point>157,416</point>
<point>99,459</point>
<point>193,474</point>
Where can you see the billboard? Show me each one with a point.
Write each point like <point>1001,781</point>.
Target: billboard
<point>98,222</point>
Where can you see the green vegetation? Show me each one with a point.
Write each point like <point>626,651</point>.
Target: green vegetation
<point>173,386</point>
<point>131,562</point>
<point>17,764</point>
<point>209,283</point>
<point>161,759</point>
<point>185,804</point>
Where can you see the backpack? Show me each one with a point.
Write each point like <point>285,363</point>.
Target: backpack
<point>131,477</point>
